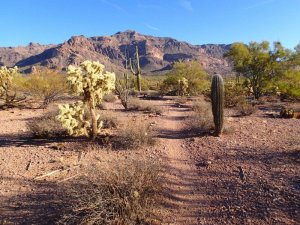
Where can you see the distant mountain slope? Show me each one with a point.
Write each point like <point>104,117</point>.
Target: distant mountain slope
<point>156,53</point>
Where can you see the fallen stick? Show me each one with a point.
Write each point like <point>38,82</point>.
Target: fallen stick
<point>54,172</point>
<point>68,178</point>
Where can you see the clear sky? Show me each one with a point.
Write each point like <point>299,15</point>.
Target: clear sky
<point>194,21</point>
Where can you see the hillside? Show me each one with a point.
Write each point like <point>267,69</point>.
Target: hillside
<point>156,53</point>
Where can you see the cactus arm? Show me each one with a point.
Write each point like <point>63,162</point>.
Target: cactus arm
<point>137,72</point>
<point>138,60</point>
<point>131,67</point>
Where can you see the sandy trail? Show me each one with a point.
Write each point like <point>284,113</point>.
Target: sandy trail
<point>183,199</point>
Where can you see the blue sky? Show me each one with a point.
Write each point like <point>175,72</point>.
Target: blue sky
<point>194,21</point>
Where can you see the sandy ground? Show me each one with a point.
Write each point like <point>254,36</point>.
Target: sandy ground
<point>203,183</point>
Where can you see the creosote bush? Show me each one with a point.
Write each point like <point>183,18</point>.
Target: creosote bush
<point>234,94</point>
<point>109,121</point>
<point>133,135</point>
<point>46,126</point>
<point>181,100</point>
<point>245,109</point>
<point>201,121</point>
<point>124,192</point>
<point>109,98</point>
<point>143,105</point>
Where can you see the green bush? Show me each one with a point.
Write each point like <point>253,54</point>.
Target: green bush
<point>234,94</point>
<point>198,80</point>
<point>289,85</point>
<point>44,87</point>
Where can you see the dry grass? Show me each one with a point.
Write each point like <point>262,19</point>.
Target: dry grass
<point>109,98</point>
<point>143,105</point>
<point>181,100</point>
<point>201,121</point>
<point>133,135</point>
<point>245,109</point>
<point>109,121</point>
<point>46,126</point>
<point>124,192</point>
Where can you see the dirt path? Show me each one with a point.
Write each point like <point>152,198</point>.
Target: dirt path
<point>181,172</point>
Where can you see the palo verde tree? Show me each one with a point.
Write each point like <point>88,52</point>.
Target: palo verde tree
<point>91,83</point>
<point>259,63</point>
<point>196,78</point>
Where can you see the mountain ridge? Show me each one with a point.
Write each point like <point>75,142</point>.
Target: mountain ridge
<point>157,54</point>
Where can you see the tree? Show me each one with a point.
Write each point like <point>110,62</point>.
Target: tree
<point>192,71</point>
<point>44,86</point>
<point>91,83</point>
<point>259,63</point>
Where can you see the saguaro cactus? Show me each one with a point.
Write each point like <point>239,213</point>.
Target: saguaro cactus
<point>137,71</point>
<point>217,101</point>
<point>90,82</point>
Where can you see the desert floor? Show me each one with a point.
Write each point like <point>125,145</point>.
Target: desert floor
<point>202,183</point>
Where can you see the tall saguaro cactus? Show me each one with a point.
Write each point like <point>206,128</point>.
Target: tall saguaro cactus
<point>217,101</point>
<point>137,71</point>
<point>91,83</point>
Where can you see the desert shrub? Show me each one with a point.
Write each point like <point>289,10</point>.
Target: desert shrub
<point>228,130</point>
<point>152,82</point>
<point>181,100</point>
<point>289,85</point>
<point>46,126</point>
<point>142,105</point>
<point>198,80</point>
<point>245,109</point>
<point>109,121</point>
<point>201,120</point>
<point>152,95</point>
<point>133,135</point>
<point>109,98</point>
<point>125,192</point>
<point>234,94</point>
<point>45,87</point>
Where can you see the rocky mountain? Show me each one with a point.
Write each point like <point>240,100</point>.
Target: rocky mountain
<point>156,53</point>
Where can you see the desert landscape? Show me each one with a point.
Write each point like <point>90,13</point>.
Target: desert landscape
<point>139,112</point>
<point>198,176</point>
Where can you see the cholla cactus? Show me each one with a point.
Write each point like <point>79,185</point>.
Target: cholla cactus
<point>183,85</point>
<point>8,91</point>
<point>92,83</point>
<point>6,79</point>
<point>71,117</point>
